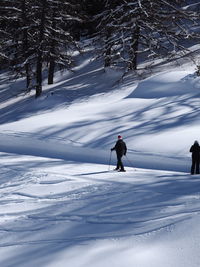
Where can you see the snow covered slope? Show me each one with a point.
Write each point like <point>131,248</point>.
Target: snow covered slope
<point>61,203</point>
<point>58,213</point>
<point>158,117</point>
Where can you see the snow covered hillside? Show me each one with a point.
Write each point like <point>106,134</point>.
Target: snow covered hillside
<point>61,203</point>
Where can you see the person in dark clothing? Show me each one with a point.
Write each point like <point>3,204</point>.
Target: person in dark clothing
<point>195,150</point>
<point>121,149</point>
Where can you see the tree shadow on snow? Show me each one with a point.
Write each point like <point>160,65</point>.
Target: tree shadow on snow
<point>79,84</point>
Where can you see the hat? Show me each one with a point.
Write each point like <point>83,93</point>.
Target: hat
<point>119,137</point>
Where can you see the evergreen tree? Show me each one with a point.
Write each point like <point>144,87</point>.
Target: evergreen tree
<point>90,9</point>
<point>54,20</point>
<point>152,28</point>
<point>38,35</point>
<point>62,31</point>
<point>15,30</point>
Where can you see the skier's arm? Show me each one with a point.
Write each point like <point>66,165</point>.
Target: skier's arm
<point>114,148</point>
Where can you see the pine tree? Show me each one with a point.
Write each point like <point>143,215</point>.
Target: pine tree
<point>16,36</point>
<point>91,8</point>
<point>53,37</point>
<point>62,32</point>
<point>142,27</point>
<point>38,35</point>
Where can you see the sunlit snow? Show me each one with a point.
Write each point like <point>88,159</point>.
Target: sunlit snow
<point>61,202</point>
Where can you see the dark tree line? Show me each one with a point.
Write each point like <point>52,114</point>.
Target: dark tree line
<point>42,35</point>
<point>38,35</point>
<point>129,30</point>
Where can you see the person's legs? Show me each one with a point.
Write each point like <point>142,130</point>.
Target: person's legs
<point>193,166</point>
<point>119,162</point>
<point>197,166</point>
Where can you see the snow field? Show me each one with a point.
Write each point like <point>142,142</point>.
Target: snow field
<point>57,210</point>
<point>60,204</point>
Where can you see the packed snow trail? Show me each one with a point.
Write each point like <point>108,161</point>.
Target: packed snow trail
<point>157,117</point>
<point>26,145</point>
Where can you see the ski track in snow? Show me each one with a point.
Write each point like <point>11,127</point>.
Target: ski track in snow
<point>45,207</point>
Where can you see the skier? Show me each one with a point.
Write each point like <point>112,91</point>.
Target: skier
<point>195,150</point>
<point>121,149</point>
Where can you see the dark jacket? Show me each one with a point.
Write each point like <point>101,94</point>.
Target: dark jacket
<point>120,147</point>
<point>195,149</point>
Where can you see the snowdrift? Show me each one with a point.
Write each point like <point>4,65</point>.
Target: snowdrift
<point>167,84</point>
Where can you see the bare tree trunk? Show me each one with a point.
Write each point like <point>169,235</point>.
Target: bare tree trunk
<point>39,75</point>
<point>28,76</point>
<point>40,51</point>
<point>107,60</point>
<point>107,57</point>
<point>25,44</point>
<point>52,51</point>
<point>134,49</point>
<point>51,72</point>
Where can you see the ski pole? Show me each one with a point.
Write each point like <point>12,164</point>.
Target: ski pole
<point>110,160</point>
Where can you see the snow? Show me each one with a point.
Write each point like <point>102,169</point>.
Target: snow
<point>62,203</point>
<point>169,83</point>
